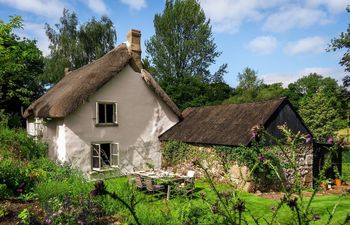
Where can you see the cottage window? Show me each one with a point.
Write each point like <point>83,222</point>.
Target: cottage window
<point>104,155</point>
<point>106,113</point>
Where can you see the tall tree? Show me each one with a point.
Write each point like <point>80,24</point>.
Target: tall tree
<point>72,46</point>
<point>320,115</point>
<point>21,63</point>
<point>181,52</point>
<point>248,80</point>
<point>307,86</point>
<point>250,88</point>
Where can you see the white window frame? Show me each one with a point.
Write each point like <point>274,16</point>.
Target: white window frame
<point>114,151</point>
<point>115,113</point>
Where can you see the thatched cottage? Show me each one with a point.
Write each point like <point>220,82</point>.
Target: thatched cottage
<point>105,115</point>
<point>231,125</point>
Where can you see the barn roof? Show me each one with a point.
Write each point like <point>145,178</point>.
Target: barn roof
<point>222,124</point>
<point>76,86</point>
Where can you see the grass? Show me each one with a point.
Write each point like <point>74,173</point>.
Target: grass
<point>178,209</point>
<point>346,165</point>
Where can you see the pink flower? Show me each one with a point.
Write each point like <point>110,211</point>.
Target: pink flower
<point>330,140</point>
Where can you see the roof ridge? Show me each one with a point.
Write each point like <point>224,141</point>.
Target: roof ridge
<point>243,103</point>
<point>98,60</point>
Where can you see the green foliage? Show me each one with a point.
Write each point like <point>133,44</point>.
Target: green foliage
<point>16,143</point>
<point>14,177</point>
<point>82,210</point>
<point>251,89</point>
<point>181,52</point>
<point>72,47</point>
<point>320,115</point>
<point>4,192</point>
<point>59,181</point>
<point>24,216</point>
<point>307,86</point>
<point>343,42</point>
<point>255,158</point>
<point>309,91</point>
<point>175,152</point>
<point>21,63</point>
<point>16,148</point>
<point>248,80</point>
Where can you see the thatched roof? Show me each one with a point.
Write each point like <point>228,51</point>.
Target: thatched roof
<point>76,86</point>
<point>222,124</point>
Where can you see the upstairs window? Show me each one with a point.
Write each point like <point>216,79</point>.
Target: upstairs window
<point>106,113</point>
<point>104,155</point>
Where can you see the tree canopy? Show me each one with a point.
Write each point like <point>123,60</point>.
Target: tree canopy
<point>320,115</point>
<point>306,86</point>
<point>21,63</point>
<point>250,88</point>
<point>72,46</point>
<point>181,52</point>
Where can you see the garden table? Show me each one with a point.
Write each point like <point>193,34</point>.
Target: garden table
<point>163,177</point>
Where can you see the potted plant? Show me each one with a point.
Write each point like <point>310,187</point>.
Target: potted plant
<point>337,180</point>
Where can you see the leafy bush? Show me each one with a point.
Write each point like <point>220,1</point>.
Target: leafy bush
<point>255,158</point>
<point>174,151</point>
<point>4,192</point>
<point>59,181</point>
<point>82,210</point>
<point>15,143</point>
<point>14,176</point>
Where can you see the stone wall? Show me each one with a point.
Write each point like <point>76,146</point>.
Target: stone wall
<point>305,164</point>
<point>239,175</point>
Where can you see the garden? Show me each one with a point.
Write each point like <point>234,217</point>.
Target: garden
<point>35,190</point>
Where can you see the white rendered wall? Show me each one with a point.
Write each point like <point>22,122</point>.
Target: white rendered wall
<point>142,117</point>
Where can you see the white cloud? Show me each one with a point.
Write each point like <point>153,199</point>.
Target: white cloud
<point>293,16</point>
<point>314,44</point>
<point>276,15</point>
<point>36,31</point>
<point>287,78</point>
<point>228,15</point>
<point>334,6</point>
<point>262,44</point>
<point>135,4</point>
<point>336,73</point>
<point>47,8</point>
<point>97,6</point>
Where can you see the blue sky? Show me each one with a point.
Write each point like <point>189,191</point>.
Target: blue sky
<point>281,39</point>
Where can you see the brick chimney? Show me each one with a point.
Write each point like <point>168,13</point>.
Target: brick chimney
<point>134,39</point>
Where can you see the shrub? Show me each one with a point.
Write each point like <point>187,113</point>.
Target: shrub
<point>16,143</point>
<point>4,192</point>
<point>174,151</point>
<point>13,175</point>
<point>82,210</point>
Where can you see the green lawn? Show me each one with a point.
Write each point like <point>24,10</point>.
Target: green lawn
<point>346,165</point>
<point>160,211</point>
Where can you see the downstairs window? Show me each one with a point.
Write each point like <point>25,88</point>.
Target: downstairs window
<point>104,155</point>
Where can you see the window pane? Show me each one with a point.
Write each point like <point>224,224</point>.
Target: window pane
<point>101,113</point>
<point>95,162</point>
<point>106,154</point>
<point>94,150</point>
<point>109,113</point>
<point>115,160</point>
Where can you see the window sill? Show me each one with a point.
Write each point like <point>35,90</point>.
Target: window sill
<point>94,171</point>
<point>106,125</point>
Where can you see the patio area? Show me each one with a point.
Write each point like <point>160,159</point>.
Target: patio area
<point>163,181</point>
